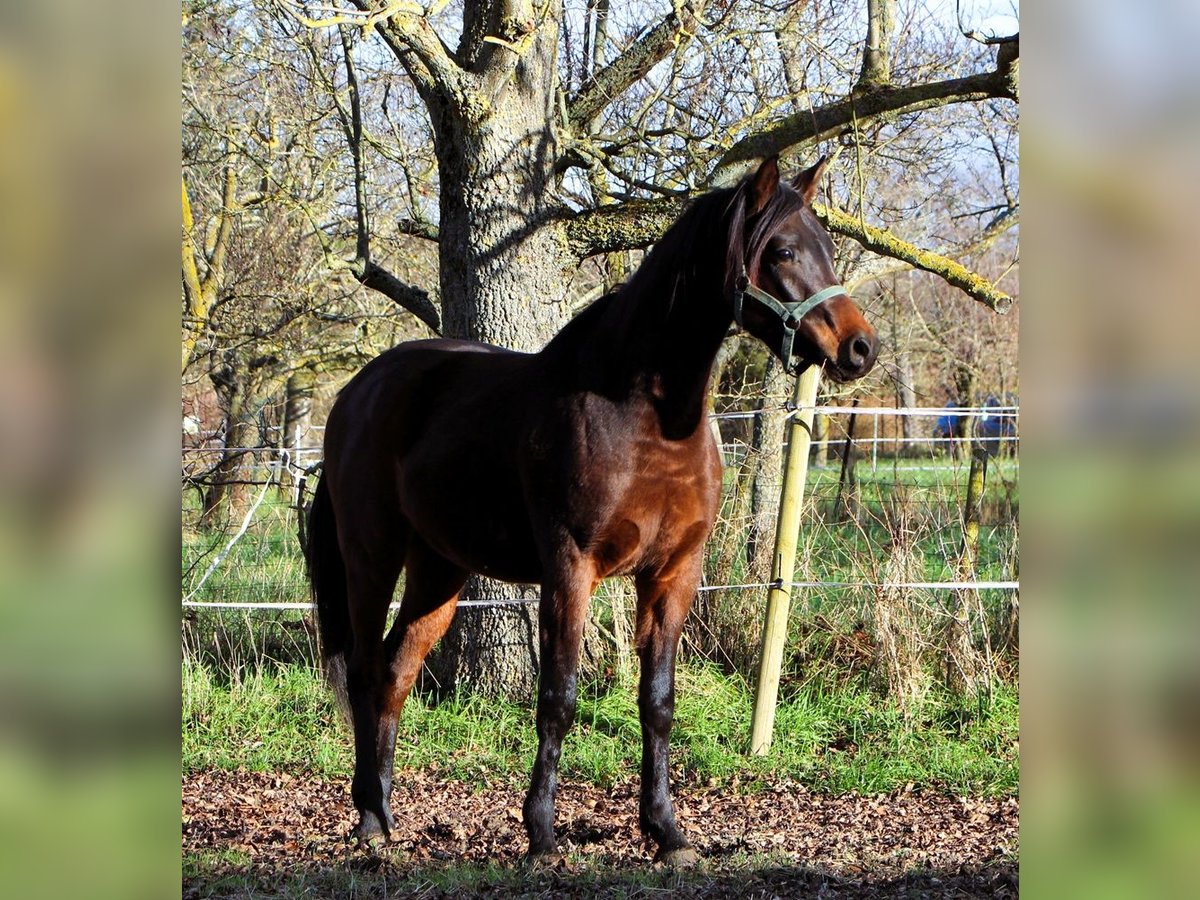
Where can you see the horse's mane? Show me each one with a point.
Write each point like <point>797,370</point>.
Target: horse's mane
<point>714,226</point>
<point>680,265</point>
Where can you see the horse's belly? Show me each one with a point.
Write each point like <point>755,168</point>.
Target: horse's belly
<point>474,523</point>
<point>504,557</point>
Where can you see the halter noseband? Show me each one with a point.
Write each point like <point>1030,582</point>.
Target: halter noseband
<point>790,314</point>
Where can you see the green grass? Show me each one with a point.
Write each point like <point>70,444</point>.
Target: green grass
<point>921,499</point>
<point>264,566</point>
<point>252,700</point>
<point>851,739</point>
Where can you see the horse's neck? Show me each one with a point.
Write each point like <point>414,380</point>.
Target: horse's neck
<point>662,337</point>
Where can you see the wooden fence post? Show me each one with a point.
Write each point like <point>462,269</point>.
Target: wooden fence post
<point>787,531</point>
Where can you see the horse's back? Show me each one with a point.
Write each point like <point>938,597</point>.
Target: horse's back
<point>429,433</point>
<point>481,450</point>
<point>435,373</point>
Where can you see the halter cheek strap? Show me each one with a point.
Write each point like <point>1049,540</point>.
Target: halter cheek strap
<point>789,314</point>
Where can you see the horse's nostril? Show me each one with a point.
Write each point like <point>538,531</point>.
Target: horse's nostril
<point>858,353</point>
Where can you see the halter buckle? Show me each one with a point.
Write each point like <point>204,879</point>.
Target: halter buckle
<point>790,314</point>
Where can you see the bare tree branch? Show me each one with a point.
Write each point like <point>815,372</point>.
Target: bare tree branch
<point>368,273</point>
<point>877,54</point>
<point>787,36</point>
<point>410,297</point>
<point>601,42</point>
<point>200,292</point>
<point>624,226</point>
<point>428,61</point>
<point>497,36</point>
<point>973,35</point>
<point>352,125</point>
<point>830,120</point>
<point>193,289</point>
<point>426,230</point>
<point>639,223</point>
<point>881,266</point>
<point>220,244</point>
<point>887,244</point>
<point>633,64</point>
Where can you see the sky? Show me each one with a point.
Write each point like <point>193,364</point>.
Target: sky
<point>989,17</point>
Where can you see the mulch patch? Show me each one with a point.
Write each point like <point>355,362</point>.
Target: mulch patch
<point>272,830</point>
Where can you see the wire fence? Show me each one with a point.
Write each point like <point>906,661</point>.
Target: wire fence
<point>884,517</point>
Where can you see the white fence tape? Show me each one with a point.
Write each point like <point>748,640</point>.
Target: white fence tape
<point>907,585</point>
<point>875,411</point>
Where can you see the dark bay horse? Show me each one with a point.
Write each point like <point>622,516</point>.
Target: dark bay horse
<point>588,459</point>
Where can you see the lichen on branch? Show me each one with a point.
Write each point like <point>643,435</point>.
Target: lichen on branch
<point>887,244</point>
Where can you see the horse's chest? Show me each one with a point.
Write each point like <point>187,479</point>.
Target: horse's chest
<point>666,508</point>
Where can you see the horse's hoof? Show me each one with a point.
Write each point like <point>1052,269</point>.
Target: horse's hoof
<point>372,842</point>
<point>544,861</point>
<point>369,833</point>
<point>678,858</point>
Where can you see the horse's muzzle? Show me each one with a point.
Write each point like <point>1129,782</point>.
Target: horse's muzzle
<point>857,354</point>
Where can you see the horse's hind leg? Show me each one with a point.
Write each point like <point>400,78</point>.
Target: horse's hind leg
<point>369,585</point>
<point>431,588</point>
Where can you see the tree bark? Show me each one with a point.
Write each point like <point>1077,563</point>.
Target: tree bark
<point>963,377</point>
<point>297,423</point>
<point>503,263</point>
<point>297,409</point>
<point>504,267</point>
<point>877,57</point>
<point>200,292</point>
<point>906,395</point>
<point>489,650</point>
<point>766,444</point>
<point>228,490</point>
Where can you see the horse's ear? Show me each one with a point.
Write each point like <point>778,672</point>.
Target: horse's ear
<point>762,185</point>
<point>807,182</point>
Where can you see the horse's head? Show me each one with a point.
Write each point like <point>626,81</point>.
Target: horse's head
<point>781,280</point>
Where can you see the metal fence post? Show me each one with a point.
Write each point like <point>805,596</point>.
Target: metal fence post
<point>787,531</point>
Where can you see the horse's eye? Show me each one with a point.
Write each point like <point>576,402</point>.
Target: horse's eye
<point>784,253</point>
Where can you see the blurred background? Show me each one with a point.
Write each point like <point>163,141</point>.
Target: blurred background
<point>89,698</point>
<point>89,101</point>
<point>1112,480</point>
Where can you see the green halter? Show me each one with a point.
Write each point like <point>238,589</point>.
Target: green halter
<point>790,314</point>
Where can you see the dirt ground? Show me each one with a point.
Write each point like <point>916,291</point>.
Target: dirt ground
<point>254,834</point>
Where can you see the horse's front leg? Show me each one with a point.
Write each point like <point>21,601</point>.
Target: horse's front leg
<point>663,603</point>
<point>561,618</point>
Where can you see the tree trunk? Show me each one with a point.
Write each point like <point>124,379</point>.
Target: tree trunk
<point>503,267</point>
<point>877,61</point>
<point>766,444</point>
<point>504,272</point>
<point>489,650</point>
<point>819,455</point>
<point>297,423</point>
<point>228,490</point>
<point>964,394</point>
<point>906,395</point>
<point>297,410</point>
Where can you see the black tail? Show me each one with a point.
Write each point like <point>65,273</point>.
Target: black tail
<point>327,573</point>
